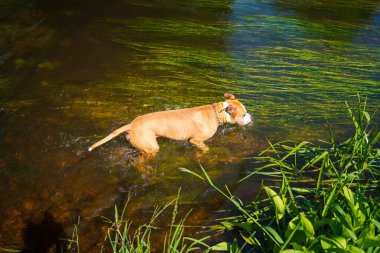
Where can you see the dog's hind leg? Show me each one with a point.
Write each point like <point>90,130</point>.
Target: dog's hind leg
<point>127,136</point>
<point>148,146</point>
<point>145,142</point>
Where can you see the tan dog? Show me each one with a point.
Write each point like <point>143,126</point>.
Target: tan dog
<point>196,125</point>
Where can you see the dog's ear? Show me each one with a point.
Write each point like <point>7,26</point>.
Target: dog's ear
<point>229,96</point>
<point>230,110</point>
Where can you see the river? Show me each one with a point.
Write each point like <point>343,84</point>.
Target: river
<point>73,71</point>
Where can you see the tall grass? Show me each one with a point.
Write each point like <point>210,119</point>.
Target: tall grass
<point>336,211</point>
<point>122,239</point>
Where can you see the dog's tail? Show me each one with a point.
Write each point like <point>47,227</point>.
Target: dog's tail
<point>111,136</point>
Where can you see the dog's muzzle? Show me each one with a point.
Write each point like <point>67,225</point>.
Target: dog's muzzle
<point>247,119</point>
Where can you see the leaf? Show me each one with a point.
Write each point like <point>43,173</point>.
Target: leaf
<point>375,139</point>
<point>307,226</point>
<point>339,209</point>
<point>348,220</point>
<point>275,234</point>
<point>356,211</point>
<point>351,176</point>
<point>360,218</point>
<point>370,242</point>
<point>295,149</point>
<point>296,246</point>
<point>277,202</point>
<point>367,116</point>
<point>191,172</point>
<point>292,225</point>
<point>294,233</point>
<point>333,242</point>
<point>349,196</point>
<point>329,201</point>
<point>354,249</point>
<point>348,233</point>
<point>247,226</point>
<point>248,239</point>
<point>377,224</point>
<point>368,238</point>
<point>303,190</point>
<point>292,251</point>
<point>222,246</point>
<point>228,225</point>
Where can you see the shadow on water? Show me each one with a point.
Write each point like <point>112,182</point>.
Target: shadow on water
<point>43,236</point>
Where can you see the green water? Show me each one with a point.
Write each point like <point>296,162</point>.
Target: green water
<point>71,72</point>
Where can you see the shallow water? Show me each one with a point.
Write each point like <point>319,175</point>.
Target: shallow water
<point>72,72</point>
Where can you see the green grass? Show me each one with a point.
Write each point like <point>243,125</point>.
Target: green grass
<point>122,238</point>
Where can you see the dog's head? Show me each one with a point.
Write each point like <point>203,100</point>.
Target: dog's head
<point>235,110</point>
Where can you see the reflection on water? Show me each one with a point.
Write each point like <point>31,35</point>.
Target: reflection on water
<point>71,72</point>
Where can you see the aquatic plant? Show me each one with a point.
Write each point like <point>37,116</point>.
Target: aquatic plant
<point>122,238</point>
<point>72,244</point>
<point>336,211</point>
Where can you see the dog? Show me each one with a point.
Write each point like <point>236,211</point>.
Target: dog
<point>196,125</point>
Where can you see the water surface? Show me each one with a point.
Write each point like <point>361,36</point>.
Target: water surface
<point>72,72</point>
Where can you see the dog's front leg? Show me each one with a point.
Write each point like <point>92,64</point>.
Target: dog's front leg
<point>199,144</point>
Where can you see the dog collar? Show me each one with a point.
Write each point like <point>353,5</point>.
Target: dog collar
<point>220,117</point>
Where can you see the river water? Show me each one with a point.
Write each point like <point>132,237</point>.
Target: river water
<point>73,71</point>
